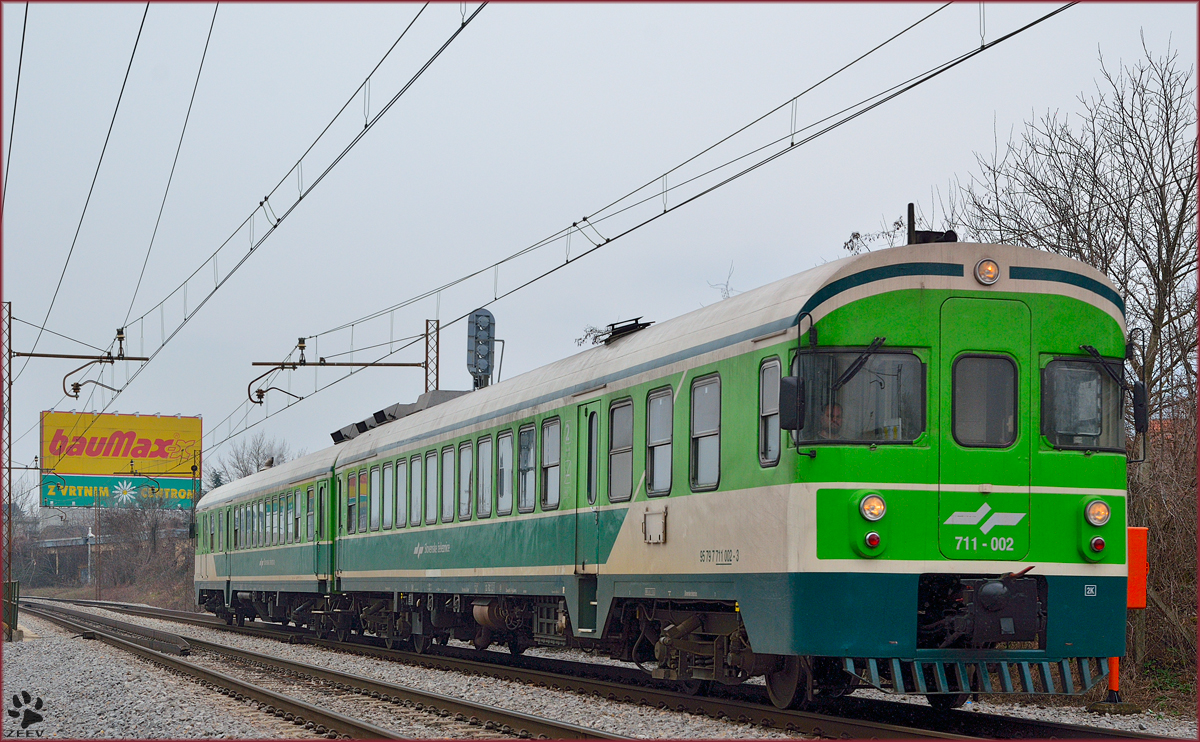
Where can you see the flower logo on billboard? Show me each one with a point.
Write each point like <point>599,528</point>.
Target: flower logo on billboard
<point>124,492</point>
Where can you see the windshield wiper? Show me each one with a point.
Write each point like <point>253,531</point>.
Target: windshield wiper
<point>1096,354</point>
<point>855,367</point>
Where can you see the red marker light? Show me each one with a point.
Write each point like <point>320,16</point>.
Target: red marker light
<point>873,540</point>
<point>1097,544</point>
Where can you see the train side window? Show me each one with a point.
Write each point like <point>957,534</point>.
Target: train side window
<point>310,515</point>
<point>401,491</point>
<point>377,499</point>
<point>389,496</point>
<point>291,515</point>
<point>527,468</point>
<point>620,451</point>
<point>768,413</point>
<point>431,487</point>
<point>448,484</point>
<point>280,502</point>
<point>262,522</point>
<point>414,514</point>
<point>706,433</point>
<point>484,478</point>
<point>298,498</point>
<point>504,473</point>
<point>984,404</point>
<point>272,525</point>
<point>363,501</point>
<point>465,466</point>
<point>551,453</point>
<point>351,502</point>
<point>660,408</point>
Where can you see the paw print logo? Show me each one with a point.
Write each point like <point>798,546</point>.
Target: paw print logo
<point>22,709</point>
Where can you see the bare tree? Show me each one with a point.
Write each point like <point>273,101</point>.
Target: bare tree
<point>1116,189</point>
<point>1118,193</point>
<point>246,457</point>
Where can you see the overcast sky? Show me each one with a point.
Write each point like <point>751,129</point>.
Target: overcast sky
<point>533,117</point>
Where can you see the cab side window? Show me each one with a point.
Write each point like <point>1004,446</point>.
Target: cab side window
<point>768,413</point>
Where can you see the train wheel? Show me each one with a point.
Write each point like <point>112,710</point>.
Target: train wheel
<point>787,686</point>
<point>421,643</point>
<point>694,687</point>
<point>342,633</point>
<point>241,619</point>
<point>514,646</point>
<point>228,619</point>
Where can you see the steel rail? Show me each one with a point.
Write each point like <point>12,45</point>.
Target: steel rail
<point>300,710</point>
<point>952,724</point>
<point>520,724</point>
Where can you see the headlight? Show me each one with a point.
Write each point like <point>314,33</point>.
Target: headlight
<point>872,507</point>
<point>987,271</point>
<point>1097,512</point>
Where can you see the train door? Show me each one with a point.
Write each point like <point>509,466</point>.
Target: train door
<point>587,514</point>
<point>986,372</point>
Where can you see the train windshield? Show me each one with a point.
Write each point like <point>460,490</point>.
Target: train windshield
<point>1081,407</point>
<point>884,402</point>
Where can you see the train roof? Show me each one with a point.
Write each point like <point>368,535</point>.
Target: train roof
<point>768,310</point>
<point>273,479</point>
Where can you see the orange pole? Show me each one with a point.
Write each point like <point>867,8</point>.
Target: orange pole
<point>1114,680</point>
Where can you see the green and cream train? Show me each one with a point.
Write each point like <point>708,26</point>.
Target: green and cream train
<point>903,469</point>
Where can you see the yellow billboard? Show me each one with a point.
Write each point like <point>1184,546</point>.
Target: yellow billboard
<point>106,444</point>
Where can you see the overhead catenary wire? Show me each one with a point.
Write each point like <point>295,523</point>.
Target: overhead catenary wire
<point>272,226</point>
<point>12,126</point>
<point>565,233</point>
<point>895,91</point>
<point>91,189</point>
<point>174,162</point>
<point>59,334</point>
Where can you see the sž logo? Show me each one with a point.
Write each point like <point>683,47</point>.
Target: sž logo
<point>968,518</point>
<point>25,707</point>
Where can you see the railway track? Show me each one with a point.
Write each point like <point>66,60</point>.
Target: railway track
<point>490,720</point>
<point>847,717</point>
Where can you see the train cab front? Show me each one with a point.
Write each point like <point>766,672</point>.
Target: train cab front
<point>964,442</point>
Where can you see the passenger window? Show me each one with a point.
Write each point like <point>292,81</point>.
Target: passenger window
<point>706,433</point>
<point>389,496</point>
<point>465,466</point>
<point>504,473</point>
<point>364,511</point>
<point>273,519</point>
<point>376,499</point>
<point>527,474</point>
<point>291,513</point>
<point>401,492</point>
<point>351,502</point>
<point>768,413</point>
<point>448,488</point>
<point>484,508</point>
<point>414,497</point>
<point>660,408</point>
<point>310,515</point>
<point>551,445</point>
<point>984,407</point>
<point>620,451</point>
<point>431,487</point>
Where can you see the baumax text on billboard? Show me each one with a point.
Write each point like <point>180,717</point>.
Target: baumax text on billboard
<point>105,444</point>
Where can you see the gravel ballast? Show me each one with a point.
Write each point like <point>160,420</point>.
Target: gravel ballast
<point>91,690</point>
<point>624,718</point>
<point>610,716</point>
